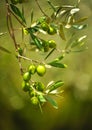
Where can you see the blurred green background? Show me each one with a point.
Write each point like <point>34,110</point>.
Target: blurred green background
<point>75,109</point>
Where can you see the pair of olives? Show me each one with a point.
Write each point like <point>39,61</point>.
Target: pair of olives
<point>40,69</point>
<point>49,29</point>
<point>17,1</point>
<point>49,44</point>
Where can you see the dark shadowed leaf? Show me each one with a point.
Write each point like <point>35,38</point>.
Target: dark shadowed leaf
<point>51,5</point>
<point>50,53</point>
<point>4,49</point>
<point>61,32</point>
<point>18,12</point>
<point>32,14</point>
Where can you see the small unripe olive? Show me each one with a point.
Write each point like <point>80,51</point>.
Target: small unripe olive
<point>34,100</point>
<point>25,86</point>
<point>41,70</point>
<point>52,44</point>
<point>46,46</point>
<point>26,76</point>
<point>45,26</point>
<point>51,31</point>
<point>20,50</point>
<point>32,69</point>
<point>40,86</point>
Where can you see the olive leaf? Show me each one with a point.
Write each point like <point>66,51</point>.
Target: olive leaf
<point>56,85</point>
<point>59,58</point>
<point>51,5</point>
<point>32,14</point>
<point>61,32</point>
<point>49,53</point>
<point>58,65</point>
<point>4,49</point>
<point>79,41</point>
<point>80,27</point>
<point>18,12</point>
<point>51,101</point>
<point>74,10</point>
<point>56,62</point>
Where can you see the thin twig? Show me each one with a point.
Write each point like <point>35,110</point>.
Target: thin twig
<point>10,26</point>
<point>26,58</point>
<point>41,8</point>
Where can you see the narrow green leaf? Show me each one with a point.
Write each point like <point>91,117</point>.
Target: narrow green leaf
<point>52,6</point>
<point>68,44</point>
<point>18,12</point>
<point>50,53</point>
<point>61,32</point>
<point>59,58</point>
<point>52,102</point>
<point>37,41</point>
<point>4,49</point>
<point>80,27</point>
<point>38,44</point>
<point>56,85</point>
<point>79,41</point>
<point>58,65</point>
<point>81,50</point>
<point>32,16</point>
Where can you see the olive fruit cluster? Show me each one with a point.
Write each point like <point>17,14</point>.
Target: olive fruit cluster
<point>36,92</point>
<point>49,44</point>
<point>17,1</point>
<point>48,28</point>
<point>35,89</point>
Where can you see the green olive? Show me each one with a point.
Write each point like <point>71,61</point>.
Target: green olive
<point>45,46</point>
<point>34,100</point>
<point>25,86</point>
<point>26,76</point>
<point>51,31</point>
<point>20,50</point>
<point>40,86</point>
<point>45,26</point>
<point>32,69</point>
<point>52,44</point>
<point>41,70</point>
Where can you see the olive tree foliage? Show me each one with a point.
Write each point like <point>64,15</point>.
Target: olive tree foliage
<point>62,20</point>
